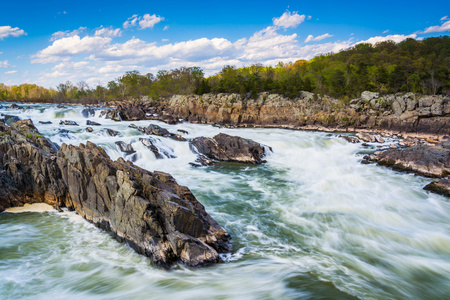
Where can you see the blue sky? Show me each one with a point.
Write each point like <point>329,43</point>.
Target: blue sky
<point>48,42</point>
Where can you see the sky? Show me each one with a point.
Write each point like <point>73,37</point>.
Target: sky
<point>49,42</point>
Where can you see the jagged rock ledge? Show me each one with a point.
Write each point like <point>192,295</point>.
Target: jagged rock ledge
<point>149,211</point>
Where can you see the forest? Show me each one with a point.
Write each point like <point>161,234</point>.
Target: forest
<point>386,67</point>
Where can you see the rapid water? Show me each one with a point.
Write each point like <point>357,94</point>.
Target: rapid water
<point>311,223</point>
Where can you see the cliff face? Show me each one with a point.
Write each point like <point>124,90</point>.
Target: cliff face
<point>402,113</point>
<point>149,211</point>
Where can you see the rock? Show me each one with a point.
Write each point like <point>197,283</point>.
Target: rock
<point>124,147</point>
<point>399,106</point>
<point>177,137</point>
<point>112,132</point>
<point>426,160</point>
<point>183,131</point>
<point>350,139</point>
<point>14,106</point>
<point>156,130</point>
<point>88,112</point>
<point>67,122</point>
<point>445,144</point>
<point>60,106</point>
<point>441,187</point>
<point>147,210</point>
<point>159,153</point>
<point>45,122</point>
<point>92,123</point>
<point>8,119</point>
<point>224,147</point>
<point>368,96</point>
<point>371,138</point>
<point>89,129</point>
<point>201,161</point>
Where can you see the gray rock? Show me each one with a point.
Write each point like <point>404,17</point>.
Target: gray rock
<point>224,147</point>
<point>124,147</point>
<point>368,96</point>
<point>112,132</point>
<point>92,123</point>
<point>441,187</point>
<point>426,160</point>
<point>88,112</point>
<point>67,122</point>
<point>8,119</point>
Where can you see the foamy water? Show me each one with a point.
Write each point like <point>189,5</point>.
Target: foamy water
<point>311,223</point>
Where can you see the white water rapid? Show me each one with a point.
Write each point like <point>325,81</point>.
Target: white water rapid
<point>311,223</point>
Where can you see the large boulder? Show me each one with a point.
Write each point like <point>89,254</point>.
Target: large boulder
<point>224,147</point>
<point>422,159</point>
<point>148,210</point>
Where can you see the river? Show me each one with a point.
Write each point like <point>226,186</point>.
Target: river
<point>311,223</point>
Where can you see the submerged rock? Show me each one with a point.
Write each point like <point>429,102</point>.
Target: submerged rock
<point>45,122</point>
<point>224,147</point>
<point>89,129</point>
<point>147,210</point>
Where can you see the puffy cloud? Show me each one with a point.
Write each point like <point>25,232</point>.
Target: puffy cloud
<point>146,21</point>
<point>394,37</point>
<point>289,19</point>
<point>149,21</point>
<point>4,64</point>
<point>11,72</point>
<point>311,38</point>
<point>108,32</point>
<point>440,28</point>
<point>63,49</point>
<point>6,31</point>
<point>62,34</point>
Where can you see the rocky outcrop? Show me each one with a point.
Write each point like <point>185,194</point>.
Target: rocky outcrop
<point>407,113</point>
<point>224,147</point>
<point>147,210</point>
<point>426,160</point>
<point>28,169</point>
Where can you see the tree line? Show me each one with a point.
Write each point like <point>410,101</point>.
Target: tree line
<point>386,67</point>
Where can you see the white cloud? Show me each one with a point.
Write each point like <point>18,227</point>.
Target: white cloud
<point>65,48</point>
<point>288,20</point>
<point>108,32</point>
<point>131,21</point>
<point>11,72</point>
<point>4,64</point>
<point>149,21</point>
<point>62,34</point>
<point>146,21</point>
<point>444,27</point>
<point>165,40</point>
<point>6,31</point>
<point>166,27</point>
<point>394,37</point>
<point>311,38</point>
<point>386,31</point>
<point>444,18</point>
